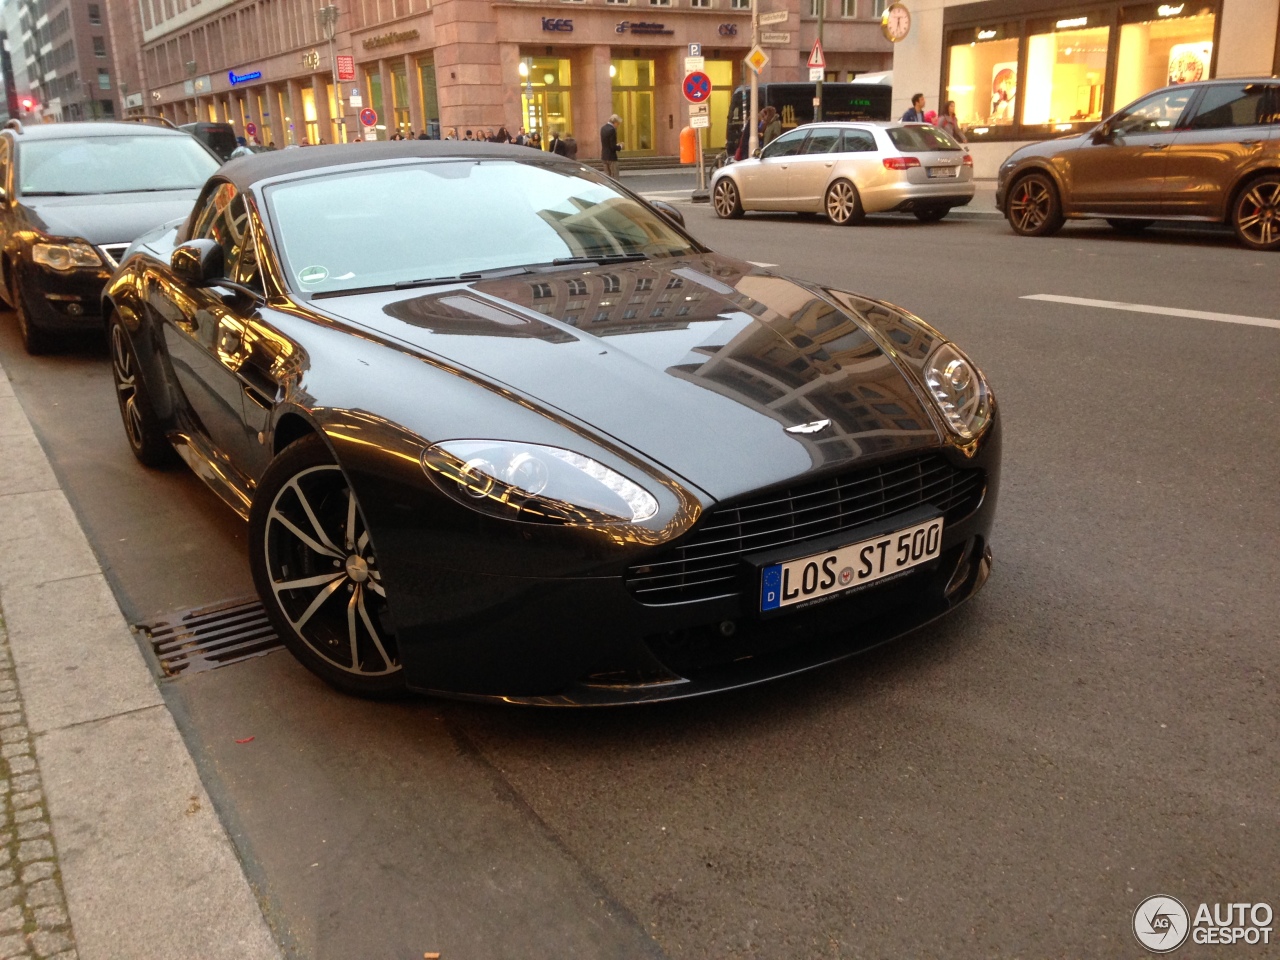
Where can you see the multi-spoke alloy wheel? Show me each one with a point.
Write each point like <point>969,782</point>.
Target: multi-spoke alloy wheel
<point>317,572</point>
<point>1034,208</point>
<point>726,200</point>
<point>842,203</point>
<point>1257,213</point>
<point>141,425</point>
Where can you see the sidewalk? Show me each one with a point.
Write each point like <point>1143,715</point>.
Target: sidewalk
<point>110,845</point>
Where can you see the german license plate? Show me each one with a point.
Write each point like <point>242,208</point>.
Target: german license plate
<point>844,568</point>
<point>936,172</point>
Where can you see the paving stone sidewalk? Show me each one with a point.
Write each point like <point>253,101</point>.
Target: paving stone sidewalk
<point>33,909</point>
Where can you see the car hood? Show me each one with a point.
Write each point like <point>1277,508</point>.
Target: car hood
<point>107,218</point>
<point>702,363</point>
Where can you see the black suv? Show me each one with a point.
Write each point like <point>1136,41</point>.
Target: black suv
<point>73,196</point>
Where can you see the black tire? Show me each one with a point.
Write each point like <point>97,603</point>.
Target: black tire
<point>36,340</point>
<point>141,425</point>
<point>1034,207</point>
<point>1255,215</point>
<point>842,204</point>
<point>306,529</point>
<point>931,214</point>
<point>1129,226</point>
<point>726,199</point>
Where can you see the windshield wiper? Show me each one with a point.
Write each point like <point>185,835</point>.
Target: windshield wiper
<point>152,189</point>
<point>462,277</point>
<point>600,258</point>
<point>54,193</point>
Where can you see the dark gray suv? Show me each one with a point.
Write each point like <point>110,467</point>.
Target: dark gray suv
<point>1198,151</point>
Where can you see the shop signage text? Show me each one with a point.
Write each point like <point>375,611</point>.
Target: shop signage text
<point>346,67</point>
<point>387,39</point>
<point>986,34</point>
<point>243,77</point>
<point>311,59</point>
<point>1169,10</point>
<point>777,39</point>
<point>643,29</point>
<point>1072,22</point>
<point>557,24</point>
<point>778,16</point>
<point>728,30</point>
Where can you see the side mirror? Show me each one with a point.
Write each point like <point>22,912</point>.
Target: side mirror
<point>758,151</point>
<point>1102,134</point>
<point>668,211</point>
<point>198,262</point>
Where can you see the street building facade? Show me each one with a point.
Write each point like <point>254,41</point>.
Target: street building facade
<point>61,60</point>
<point>1027,70</point>
<point>448,66</point>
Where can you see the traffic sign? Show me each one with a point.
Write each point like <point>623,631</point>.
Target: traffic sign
<point>699,110</point>
<point>697,87</point>
<point>778,16</point>
<point>694,64</point>
<point>757,59</point>
<point>816,57</point>
<point>776,39</point>
<point>699,122</point>
<point>250,129</point>
<point>815,74</point>
<point>695,49</point>
<point>369,117</point>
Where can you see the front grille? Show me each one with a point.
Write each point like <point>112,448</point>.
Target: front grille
<point>707,563</point>
<point>113,252</point>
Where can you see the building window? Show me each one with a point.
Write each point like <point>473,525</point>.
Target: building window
<point>104,80</point>
<point>983,77</point>
<point>1160,51</point>
<point>848,9</point>
<point>99,47</point>
<point>659,3</point>
<point>541,290</point>
<point>617,1</point>
<point>95,15</point>
<point>700,4</point>
<point>1066,72</point>
<point>815,7</point>
<point>740,4</point>
<point>577,288</point>
<point>611,283</point>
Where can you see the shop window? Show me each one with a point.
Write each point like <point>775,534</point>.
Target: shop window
<point>983,75</point>
<point>1234,105</point>
<point>1066,70</point>
<point>1157,51</point>
<point>546,101</point>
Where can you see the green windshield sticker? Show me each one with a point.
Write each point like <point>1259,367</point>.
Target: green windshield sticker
<point>313,274</point>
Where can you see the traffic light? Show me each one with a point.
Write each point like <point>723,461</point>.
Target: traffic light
<point>28,104</point>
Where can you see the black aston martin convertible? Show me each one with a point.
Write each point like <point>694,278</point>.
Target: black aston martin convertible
<point>501,429</point>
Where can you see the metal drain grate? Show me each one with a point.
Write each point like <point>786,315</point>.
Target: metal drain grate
<point>209,637</point>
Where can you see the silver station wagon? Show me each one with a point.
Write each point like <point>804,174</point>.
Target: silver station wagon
<point>847,170</point>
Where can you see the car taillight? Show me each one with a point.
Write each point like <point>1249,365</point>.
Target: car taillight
<point>900,163</point>
<point>967,161</point>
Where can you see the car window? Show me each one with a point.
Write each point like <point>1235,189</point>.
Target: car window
<point>1158,113</point>
<point>787,145</point>
<point>1233,105</point>
<point>920,137</point>
<point>822,140</point>
<point>858,141</point>
<point>4,162</point>
<point>115,164</point>
<point>228,226</point>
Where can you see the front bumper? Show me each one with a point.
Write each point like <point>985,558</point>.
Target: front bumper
<point>62,302</point>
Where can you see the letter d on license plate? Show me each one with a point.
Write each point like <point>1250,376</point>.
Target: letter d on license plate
<point>844,568</point>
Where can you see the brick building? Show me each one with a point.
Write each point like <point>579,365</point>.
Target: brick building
<point>61,50</point>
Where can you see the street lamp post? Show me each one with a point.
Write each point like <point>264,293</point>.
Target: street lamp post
<point>327,17</point>
<point>753,137</point>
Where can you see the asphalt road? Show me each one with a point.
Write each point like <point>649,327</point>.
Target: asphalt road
<point>1101,724</point>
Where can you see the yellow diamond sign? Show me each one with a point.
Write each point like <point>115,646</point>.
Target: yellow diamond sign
<point>757,59</point>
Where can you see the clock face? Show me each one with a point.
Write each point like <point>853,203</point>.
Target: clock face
<point>896,22</point>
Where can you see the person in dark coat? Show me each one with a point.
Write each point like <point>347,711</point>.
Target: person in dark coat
<point>609,145</point>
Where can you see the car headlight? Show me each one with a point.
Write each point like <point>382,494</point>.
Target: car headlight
<point>960,390</point>
<point>536,483</point>
<point>65,256</point>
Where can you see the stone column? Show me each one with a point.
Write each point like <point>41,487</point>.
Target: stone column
<point>296,111</point>
<point>270,117</point>
<point>324,121</point>
<point>509,63</point>
<point>386,109</point>
<point>593,101</point>
<point>413,80</point>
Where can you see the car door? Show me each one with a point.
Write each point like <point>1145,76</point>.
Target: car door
<point>204,330</point>
<point>7,207</point>
<point>1120,168</point>
<point>763,182</point>
<point>1230,128</point>
<point>811,168</point>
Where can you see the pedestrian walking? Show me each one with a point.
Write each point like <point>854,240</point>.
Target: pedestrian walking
<point>609,145</point>
<point>916,113</point>
<point>772,125</point>
<point>949,122</point>
<point>503,136</point>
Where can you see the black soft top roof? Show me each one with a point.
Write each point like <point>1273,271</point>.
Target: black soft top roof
<point>246,171</point>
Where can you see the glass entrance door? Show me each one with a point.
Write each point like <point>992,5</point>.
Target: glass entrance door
<point>633,102</point>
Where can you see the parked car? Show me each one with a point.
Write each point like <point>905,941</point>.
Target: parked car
<point>841,102</point>
<point>847,170</point>
<point>503,430</point>
<point>73,196</point>
<point>1197,151</point>
<point>218,137</point>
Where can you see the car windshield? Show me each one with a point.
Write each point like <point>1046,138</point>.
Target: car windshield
<point>912,139</point>
<point>441,219</point>
<point>123,164</point>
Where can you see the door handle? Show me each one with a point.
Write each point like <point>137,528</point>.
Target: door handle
<point>1159,146</point>
<point>1249,143</point>
<point>830,163</point>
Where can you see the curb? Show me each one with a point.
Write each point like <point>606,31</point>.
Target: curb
<point>147,868</point>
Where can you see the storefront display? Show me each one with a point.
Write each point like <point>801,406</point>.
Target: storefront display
<point>983,74</point>
<point>1168,43</point>
<point>1066,67</point>
<point>546,98</point>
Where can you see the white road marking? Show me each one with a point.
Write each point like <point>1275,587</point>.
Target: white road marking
<point>669,195</point>
<point>757,263</point>
<point>1162,311</point>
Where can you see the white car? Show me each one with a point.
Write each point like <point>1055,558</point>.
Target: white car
<point>847,170</point>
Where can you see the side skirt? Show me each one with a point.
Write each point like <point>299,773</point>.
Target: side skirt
<point>215,471</point>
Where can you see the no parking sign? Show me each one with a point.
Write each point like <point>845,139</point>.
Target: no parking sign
<point>369,117</point>
<point>697,87</point>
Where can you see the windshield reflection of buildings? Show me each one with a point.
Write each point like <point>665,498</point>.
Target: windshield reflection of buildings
<point>770,344</point>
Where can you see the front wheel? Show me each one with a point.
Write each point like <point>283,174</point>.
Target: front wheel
<point>36,340</point>
<point>318,575</point>
<point>931,214</point>
<point>1256,214</point>
<point>1034,207</point>
<point>726,200</point>
<point>842,203</point>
